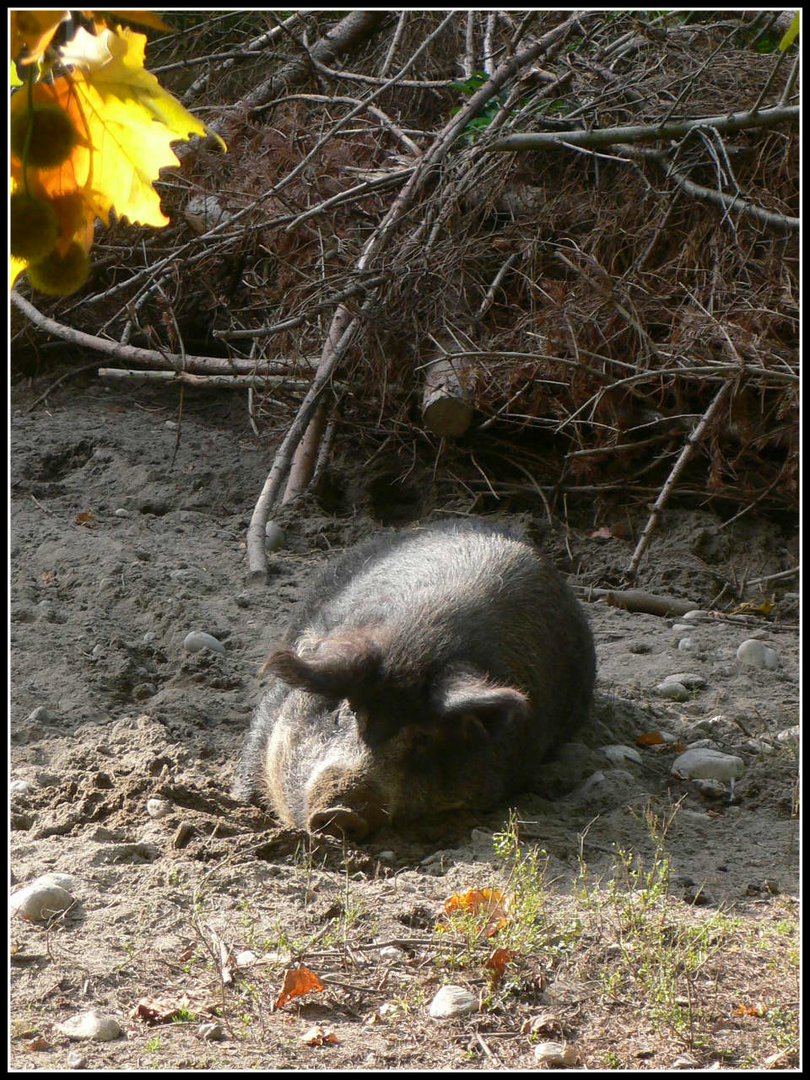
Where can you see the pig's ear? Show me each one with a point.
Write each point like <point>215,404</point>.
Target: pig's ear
<point>470,694</point>
<point>334,667</point>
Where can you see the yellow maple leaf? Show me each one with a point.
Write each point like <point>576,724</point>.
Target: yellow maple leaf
<point>31,33</point>
<point>125,124</point>
<point>113,62</point>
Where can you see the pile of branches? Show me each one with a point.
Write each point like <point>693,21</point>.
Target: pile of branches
<point>574,234</point>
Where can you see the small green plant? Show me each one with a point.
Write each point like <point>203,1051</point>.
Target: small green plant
<point>153,1045</point>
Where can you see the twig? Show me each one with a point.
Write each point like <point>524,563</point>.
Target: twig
<point>290,324</point>
<point>197,365</point>
<point>205,382</point>
<point>225,64</point>
<point>779,114</point>
<point>683,458</point>
<point>344,325</point>
<point>395,40</point>
<point>782,576</point>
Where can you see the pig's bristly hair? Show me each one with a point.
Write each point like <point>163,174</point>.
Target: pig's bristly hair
<point>339,667</point>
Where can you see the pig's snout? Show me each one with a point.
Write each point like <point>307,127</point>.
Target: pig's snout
<point>339,821</point>
<point>343,802</point>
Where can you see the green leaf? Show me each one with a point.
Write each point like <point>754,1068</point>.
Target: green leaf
<point>791,34</point>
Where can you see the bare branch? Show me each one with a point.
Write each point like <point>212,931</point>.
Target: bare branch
<point>780,114</point>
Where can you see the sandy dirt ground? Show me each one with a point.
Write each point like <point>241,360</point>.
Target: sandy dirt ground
<point>118,552</point>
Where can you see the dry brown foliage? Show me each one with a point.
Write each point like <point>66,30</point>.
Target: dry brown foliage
<point>600,304</point>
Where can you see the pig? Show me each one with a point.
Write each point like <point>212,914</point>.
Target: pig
<point>429,670</point>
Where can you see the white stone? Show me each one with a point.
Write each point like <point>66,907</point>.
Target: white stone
<point>707,764</point>
<point>687,679</point>
<point>197,640</point>
<point>21,787</point>
<point>617,754</point>
<point>555,1053</point>
<point>391,952</point>
<point>753,653</point>
<point>673,691</point>
<point>38,903</point>
<point>245,958</point>
<point>273,536</point>
<point>91,1025</point>
<point>158,808</point>
<point>696,615</point>
<point>452,1001</point>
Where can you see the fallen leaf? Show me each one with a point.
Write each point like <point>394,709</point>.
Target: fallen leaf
<point>749,1010</point>
<point>39,1043</point>
<point>489,903</point>
<point>297,982</point>
<point>650,738</point>
<point>85,518</point>
<point>496,964</point>
<point>601,534</point>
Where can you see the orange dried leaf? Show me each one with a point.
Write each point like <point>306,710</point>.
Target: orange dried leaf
<point>496,964</point>
<point>749,1010</point>
<point>650,738</point>
<point>297,982</point>
<point>475,901</point>
<point>490,904</point>
<point>85,518</point>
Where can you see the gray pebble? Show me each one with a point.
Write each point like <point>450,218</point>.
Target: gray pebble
<point>687,679</point>
<point>122,513</point>
<point>273,536</point>
<point>452,1001</point>
<point>21,787</point>
<point>158,808</point>
<point>706,763</point>
<point>211,1030</point>
<point>39,901</point>
<point>91,1025</point>
<point>672,691</point>
<point>685,644</point>
<point>618,754</point>
<point>40,715</point>
<point>752,653</point>
<point>196,641</point>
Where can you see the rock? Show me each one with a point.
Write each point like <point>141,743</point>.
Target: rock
<point>75,1060</point>
<point>687,679</point>
<point>618,754</point>
<point>211,1030</point>
<point>158,808</point>
<point>245,958</point>
<point>603,786</point>
<point>673,691</point>
<point>555,1053</point>
<point>752,653</point>
<point>696,615</point>
<point>121,512</point>
<point>91,1025</point>
<point>685,644</point>
<point>40,715</point>
<point>392,952</point>
<point>40,900</point>
<point>21,787</point>
<point>197,640</point>
<point>789,735</point>
<point>704,763</point>
<point>452,1001</point>
<point>273,536</point>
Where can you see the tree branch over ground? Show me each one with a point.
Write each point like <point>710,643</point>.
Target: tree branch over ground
<point>582,312</point>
